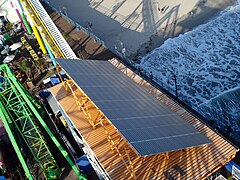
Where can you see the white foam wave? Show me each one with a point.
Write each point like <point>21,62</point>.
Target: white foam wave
<point>206,61</point>
<point>221,94</point>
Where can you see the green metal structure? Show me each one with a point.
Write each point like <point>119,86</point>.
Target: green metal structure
<point>20,115</point>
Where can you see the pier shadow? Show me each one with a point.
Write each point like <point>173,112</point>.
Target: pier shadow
<point>138,37</point>
<point>82,44</point>
<point>110,26</point>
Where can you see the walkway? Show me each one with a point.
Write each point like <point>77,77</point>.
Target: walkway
<point>140,23</point>
<point>82,44</point>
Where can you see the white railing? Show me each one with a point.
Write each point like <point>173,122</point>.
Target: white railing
<point>55,33</point>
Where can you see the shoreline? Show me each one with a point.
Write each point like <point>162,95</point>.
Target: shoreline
<point>140,26</point>
<point>202,13</point>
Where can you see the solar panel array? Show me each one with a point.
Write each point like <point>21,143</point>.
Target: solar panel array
<point>147,124</point>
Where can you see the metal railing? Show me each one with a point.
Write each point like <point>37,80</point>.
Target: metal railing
<point>94,37</point>
<point>52,29</point>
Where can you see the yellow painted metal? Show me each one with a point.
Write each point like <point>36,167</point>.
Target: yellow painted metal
<point>42,28</point>
<point>122,152</point>
<point>81,103</point>
<point>29,48</point>
<point>39,39</point>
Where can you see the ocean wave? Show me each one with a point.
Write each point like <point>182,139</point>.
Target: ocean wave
<point>224,109</point>
<point>205,62</point>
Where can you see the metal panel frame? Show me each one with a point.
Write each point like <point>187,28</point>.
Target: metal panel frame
<point>107,71</point>
<point>70,86</point>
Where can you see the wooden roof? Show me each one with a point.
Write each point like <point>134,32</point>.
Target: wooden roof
<point>192,163</point>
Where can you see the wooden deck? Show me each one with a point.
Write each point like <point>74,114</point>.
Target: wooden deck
<point>192,163</point>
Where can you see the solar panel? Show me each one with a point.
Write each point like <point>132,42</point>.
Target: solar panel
<point>147,124</point>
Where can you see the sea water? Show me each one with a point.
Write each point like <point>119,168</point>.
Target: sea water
<point>205,64</point>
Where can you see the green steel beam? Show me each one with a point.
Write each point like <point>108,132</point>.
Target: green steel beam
<point>4,116</point>
<point>11,76</point>
<point>24,121</point>
<point>37,105</point>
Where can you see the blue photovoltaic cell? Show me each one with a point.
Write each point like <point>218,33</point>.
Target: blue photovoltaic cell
<point>147,124</point>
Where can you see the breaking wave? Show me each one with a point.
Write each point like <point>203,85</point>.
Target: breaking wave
<point>206,64</point>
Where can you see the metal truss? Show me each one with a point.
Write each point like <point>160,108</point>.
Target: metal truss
<point>20,114</point>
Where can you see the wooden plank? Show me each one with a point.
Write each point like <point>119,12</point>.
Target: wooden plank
<point>194,161</point>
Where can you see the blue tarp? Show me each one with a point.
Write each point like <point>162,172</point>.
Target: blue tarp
<point>83,164</point>
<point>63,75</point>
<point>2,178</point>
<point>54,81</point>
<point>44,94</point>
<point>233,168</point>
